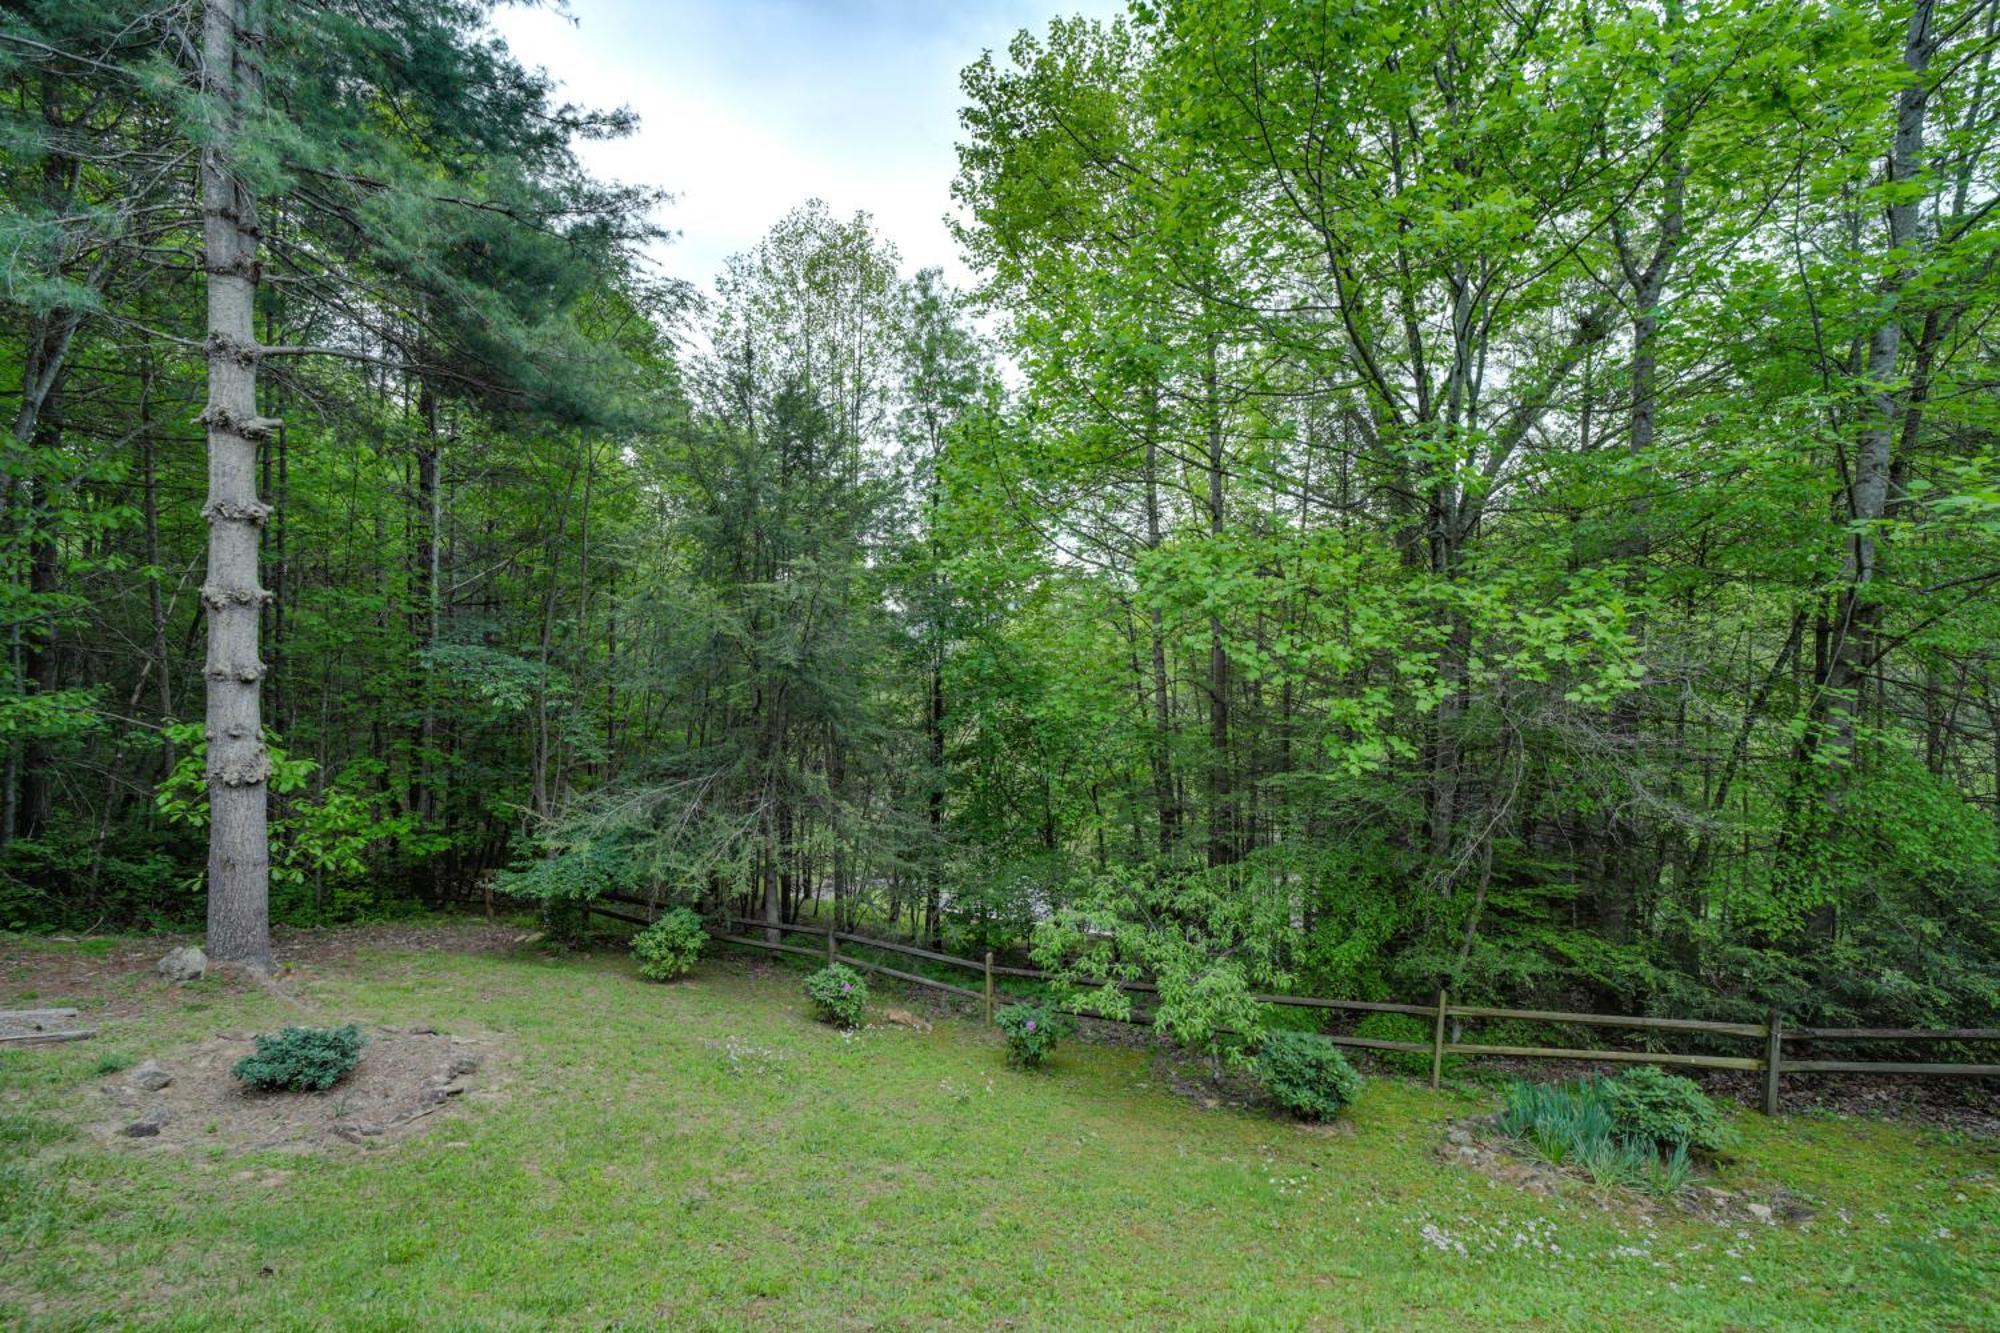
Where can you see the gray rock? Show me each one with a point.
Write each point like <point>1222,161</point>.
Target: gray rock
<point>464,1064</point>
<point>1458,1136</point>
<point>1760,1211</point>
<point>151,1077</point>
<point>148,1125</point>
<point>189,964</point>
<point>439,1093</point>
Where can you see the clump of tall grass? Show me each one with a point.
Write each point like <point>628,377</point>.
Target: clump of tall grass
<point>1574,1125</point>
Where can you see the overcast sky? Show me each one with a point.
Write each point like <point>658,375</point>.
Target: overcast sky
<point>748,107</point>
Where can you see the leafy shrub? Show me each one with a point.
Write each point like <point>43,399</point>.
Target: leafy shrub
<point>302,1059</point>
<point>1306,1074</point>
<point>838,994</point>
<point>1664,1109</point>
<point>1404,1027</point>
<point>670,946</point>
<point>1032,1032</point>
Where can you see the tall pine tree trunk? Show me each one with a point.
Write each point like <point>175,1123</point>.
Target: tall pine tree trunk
<point>238,767</point>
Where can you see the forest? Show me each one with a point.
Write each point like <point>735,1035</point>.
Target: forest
<point>1500,495</point>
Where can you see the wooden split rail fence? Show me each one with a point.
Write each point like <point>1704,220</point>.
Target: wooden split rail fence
<point>1770,1036</point>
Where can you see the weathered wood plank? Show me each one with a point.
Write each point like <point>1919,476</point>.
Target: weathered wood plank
<point>1888,1067</point>
<point>1893,1034</point>
<point>1622,1057</point>
<point>35,1038</point>
<point>1609,1020</point>
<point>16,1016</point>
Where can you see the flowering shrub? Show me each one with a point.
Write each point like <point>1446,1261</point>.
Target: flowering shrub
<point>669,947</point>
<point>838,994</point>
<point>1306,1074</point>
<point>1032,1032</point>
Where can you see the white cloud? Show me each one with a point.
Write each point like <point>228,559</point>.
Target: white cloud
<point>750,107</point>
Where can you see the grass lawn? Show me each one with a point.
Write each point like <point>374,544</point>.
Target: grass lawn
<point>703,1155</point>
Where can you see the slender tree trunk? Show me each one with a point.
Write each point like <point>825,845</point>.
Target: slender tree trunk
<point>238,766</point>
<point>1162,745</point>
<point>1223,840</point>
<point>1850,658</point>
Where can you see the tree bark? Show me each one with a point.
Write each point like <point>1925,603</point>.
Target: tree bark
<point>238,765</point>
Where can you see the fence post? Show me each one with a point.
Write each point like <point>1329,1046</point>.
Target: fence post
<point>989,988</point>
<point>832,940</point>
<point>1437,1041</point>
<point>1774,1041</point>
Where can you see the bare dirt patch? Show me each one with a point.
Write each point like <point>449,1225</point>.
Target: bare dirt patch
<point>408,1081</point>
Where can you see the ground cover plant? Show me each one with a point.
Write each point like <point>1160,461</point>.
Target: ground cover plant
<point>759,1177</point>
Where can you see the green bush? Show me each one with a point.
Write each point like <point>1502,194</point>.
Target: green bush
<point>670,946</point>
<point>1574,1124</point>
<point>302,1059</point>
<point>1306,1074</point>
<point>1032,1032</point>
<point>838,994</point>
<point>1664,1109</point>
<point>1404,1027</point>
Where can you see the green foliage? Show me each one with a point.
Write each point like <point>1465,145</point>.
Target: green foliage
<point>1032,1032</point>
<point>1665,1109</point>
<point>1306,1074</point>
<point>1579,1124</point>
<point>839,995</point>
<point>1405,1027</point>
<point>1563,1122</point>
<point>669,947</point>
<point>1208,941</point>
<point>297,1059</point>
<point>322,834</point>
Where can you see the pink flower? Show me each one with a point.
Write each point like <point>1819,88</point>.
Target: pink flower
<point>1031,1025</point>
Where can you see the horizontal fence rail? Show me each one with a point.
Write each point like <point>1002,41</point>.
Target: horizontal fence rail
<point>1772,1062</point>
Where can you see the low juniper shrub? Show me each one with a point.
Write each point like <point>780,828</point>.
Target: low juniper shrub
<point>302,1059</point>
<point>670,946</point>
<point>838,994</point>
<point>1306,1074</point>
<point>1032,1032</point>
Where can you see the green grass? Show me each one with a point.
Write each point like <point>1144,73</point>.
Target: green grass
<point>703,1155</point>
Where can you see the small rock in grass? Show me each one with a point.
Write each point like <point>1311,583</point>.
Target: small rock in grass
<point>464,1064</point>
<point>148,1125</point>
<point>1760,1211</point>
<point>188,964</point>
<point>151,1077</point>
